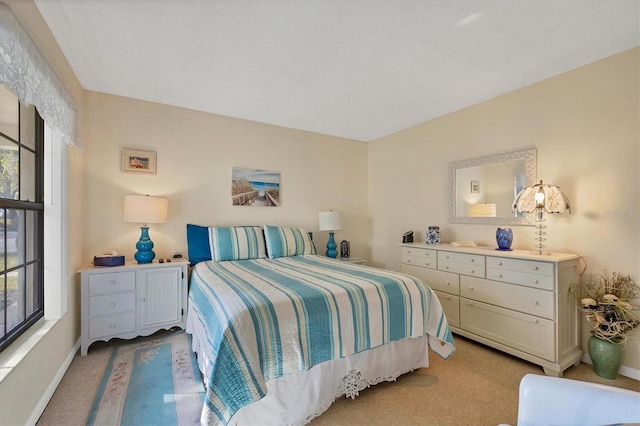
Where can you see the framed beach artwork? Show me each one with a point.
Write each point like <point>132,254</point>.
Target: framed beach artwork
<point>134,161</point>
<point>252,187</point>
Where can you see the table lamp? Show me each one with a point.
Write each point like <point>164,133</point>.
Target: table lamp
<point>145,209</point>
<point>538,199</point>
<point>330,221</point>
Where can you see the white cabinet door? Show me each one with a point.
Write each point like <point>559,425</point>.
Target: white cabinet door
<point>159,296</point>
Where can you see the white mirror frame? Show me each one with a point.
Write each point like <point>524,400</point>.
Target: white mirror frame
<point>529,155</point>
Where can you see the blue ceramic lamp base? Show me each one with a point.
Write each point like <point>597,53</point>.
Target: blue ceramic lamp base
<point>144,245</point>
<point>331,247</point>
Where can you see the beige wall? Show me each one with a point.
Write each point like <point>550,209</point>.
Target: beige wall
<point>585,126</point>
<point>23,389</point>
<point>195,155</point>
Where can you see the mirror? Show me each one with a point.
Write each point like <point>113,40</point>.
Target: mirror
<point>482,190</point>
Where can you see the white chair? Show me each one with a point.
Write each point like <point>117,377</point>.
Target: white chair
<point>545,400</point>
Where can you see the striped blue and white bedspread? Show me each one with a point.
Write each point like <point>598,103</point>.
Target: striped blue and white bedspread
<point>266,318</point>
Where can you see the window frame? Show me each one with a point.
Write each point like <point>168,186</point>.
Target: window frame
<point>7,336</point>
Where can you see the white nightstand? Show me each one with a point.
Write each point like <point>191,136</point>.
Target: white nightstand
<point>356,260</point>
<point>131,300</point>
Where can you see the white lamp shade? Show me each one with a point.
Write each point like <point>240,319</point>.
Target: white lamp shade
<point>329,221</point>
<point>482,210</point>
<point>145,209</point>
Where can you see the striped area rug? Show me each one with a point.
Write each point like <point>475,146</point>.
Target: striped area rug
<point>154,381</point>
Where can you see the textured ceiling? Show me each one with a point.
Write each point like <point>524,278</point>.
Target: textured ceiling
<point>360,69</point>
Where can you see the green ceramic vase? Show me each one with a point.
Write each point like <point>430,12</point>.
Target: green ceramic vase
<point>606,357</point>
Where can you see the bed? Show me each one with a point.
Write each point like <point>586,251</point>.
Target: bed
<point>281,332</point>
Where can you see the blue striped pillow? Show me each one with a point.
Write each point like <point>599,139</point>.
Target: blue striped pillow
<point>236,242</point>
<point>283,241</point>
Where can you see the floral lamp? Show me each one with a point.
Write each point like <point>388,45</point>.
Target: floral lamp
<point>538,199</point>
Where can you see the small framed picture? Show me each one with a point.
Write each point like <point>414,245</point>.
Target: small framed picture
<point>134,161</point>
<point>475,186</point>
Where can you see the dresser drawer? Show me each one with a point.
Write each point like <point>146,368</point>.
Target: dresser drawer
<point>527,333</point>
<point>112,325</point>
<point>420,252</point>
<point>462,268</point>
<point>544,282</point>
<point>424,262</point>
<point>528,300</point>
<point>436,280</point>
<point>468,259</point>
<point>451,307</point>
<point>112,303</point>
<point>531,273</point>
<point>443,281</point>
<point>529,266</point>
<point>112,282</point>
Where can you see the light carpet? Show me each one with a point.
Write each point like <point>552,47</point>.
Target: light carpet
<point>154,381</point>
<point>477,386</point>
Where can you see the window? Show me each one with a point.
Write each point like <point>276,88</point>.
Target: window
<point>21,217</point>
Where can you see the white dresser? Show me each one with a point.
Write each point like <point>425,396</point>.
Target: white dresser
<point>513,301</point>
<point>131,300</point>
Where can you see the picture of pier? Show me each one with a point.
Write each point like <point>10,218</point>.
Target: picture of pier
<point>251,187</point>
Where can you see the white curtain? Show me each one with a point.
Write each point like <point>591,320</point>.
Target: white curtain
<point>24,69</point>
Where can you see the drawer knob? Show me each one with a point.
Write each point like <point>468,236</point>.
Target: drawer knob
<point>473,271</point>
<point>535,281</point>
<point>535,268</point>
<point>473,260</point>
<point>499,263</point>
<point>446,257</point>
<point>408,260</point>
<point>448,283</point>
<point>535,302</point>
<point>471,288</point>
<point>536,321</point>
<point>499,275</point>
<point>112,282</point>
<point>113,303</point>
<point>112,325</point>
<point>446,267</point>
<point>142,299</point>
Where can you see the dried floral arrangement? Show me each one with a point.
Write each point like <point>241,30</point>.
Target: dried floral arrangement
<point>606,301</point>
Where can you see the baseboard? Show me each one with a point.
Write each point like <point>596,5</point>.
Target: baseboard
<point>632,373</point>
<point>48,394</point>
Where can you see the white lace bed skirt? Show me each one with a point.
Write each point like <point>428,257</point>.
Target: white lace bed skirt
<point>298,398</point>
